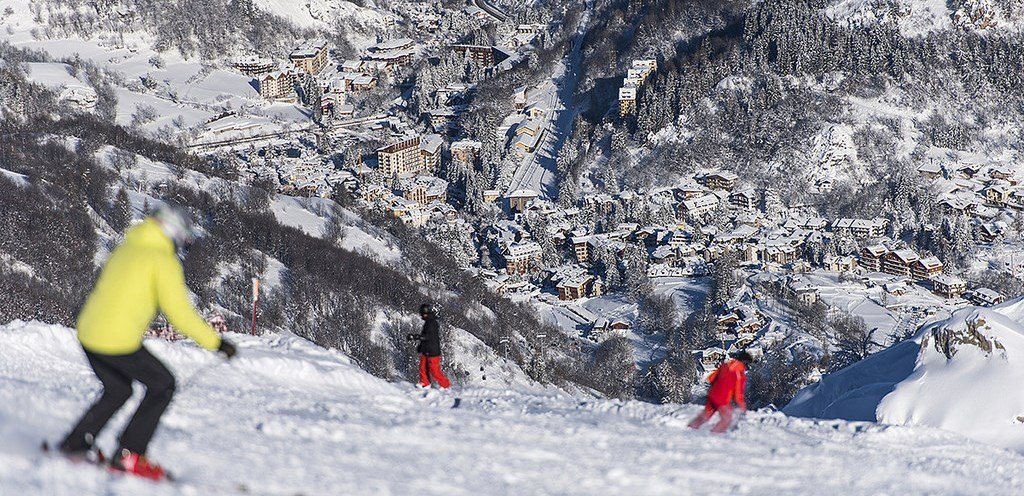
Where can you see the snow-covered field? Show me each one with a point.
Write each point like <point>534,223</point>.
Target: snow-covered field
<point>287,417</point>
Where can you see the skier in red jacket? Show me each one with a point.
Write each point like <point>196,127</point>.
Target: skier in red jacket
<point>727,384</point>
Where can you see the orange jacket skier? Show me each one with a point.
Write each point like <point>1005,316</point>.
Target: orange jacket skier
<point>728,383</point>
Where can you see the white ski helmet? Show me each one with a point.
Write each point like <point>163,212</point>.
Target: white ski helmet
<point>177,224</point>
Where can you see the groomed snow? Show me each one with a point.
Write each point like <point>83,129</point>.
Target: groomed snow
<point>286,417</point>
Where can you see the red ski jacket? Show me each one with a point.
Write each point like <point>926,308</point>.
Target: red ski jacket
<point>728,383</point>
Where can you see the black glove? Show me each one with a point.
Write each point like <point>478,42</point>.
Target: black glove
<point>227,349</point>
<point>412,337</point>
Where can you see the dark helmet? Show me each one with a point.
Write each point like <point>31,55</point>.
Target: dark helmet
<point>427,309</point>
<point>743,356</point>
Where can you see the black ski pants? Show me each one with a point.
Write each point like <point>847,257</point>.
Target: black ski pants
<point>117,372</point>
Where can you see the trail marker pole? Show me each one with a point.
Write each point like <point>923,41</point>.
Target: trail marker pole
<point>255,301</point>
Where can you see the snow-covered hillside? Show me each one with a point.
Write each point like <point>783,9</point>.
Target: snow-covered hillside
<point>920,17</point>
<point>959,374</point>
<point>287,417</point>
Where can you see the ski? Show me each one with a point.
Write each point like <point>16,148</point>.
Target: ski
<point>90,458</point>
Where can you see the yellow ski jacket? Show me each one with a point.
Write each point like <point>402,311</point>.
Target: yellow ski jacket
<point>142,276</point>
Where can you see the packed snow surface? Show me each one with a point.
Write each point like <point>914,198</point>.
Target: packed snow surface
<point>962,374</point>
<point>287,417</point>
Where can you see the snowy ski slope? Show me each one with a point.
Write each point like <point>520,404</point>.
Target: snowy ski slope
<point>289,418</point>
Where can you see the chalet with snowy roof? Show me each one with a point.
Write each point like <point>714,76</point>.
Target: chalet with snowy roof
<point>491,195</point>
<point>719,180</point>
<point>253,66</point>
<point>989,232</point>
<point>310,56</point>
<point>352,66</point>
<point>985,297</point>
<point>711,358</point>
<point>802,291</point>
<point>580,286</point>
<point>778,253</point>
<point>840,264</point>
<point>930,170</point>
<point>392,53</point>
<point>925,268</point>
<point>948,286</point>
<point>521,257</point>
<point>424,189</point>
<point>466,151</point>
<point>860,228</point>
<point>689,190</point>
<point>896,288</point>
<point>604,328</point>
<point>363,82</point>
<point>745,198</point>
<point>997,195</point>
<point>1002,173</point>
<point>518,200</point>
<point>698,206</point>
<point>968,171</point>
<point>899,262</point>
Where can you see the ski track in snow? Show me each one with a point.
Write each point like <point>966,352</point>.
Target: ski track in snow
<point>287,417</point>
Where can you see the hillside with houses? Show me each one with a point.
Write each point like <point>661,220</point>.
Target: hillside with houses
<point>716,182</point>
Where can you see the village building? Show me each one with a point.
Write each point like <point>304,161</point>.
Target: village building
<point>491,195</point>
<point>466,151</point>
<point>521,257</point>
<point>926,268</point>
<point>719,180</point>
<point>899,262</point>
<point>363,82</point>
<point>840,264</point>
<point>424,189</point>
<point>581,248</point>
<point>627,101</point>
<point>253,66</point>
<point>985,297</point>
<point>745,198</point>
<point>698,206</point>
<point>860,228</point>
<point>604,329</point>
<point>948,286</point>
<point>997,195</point>
<point>419,153</point>
<point>581,286</point>
<point>482,54</point>
<point>277,85</point>
<point>930,170</point>
<point>871,257</point>
<point>802,291</point>
<point>392,53</point>
<point>519,199</point>
<point>310,56</point>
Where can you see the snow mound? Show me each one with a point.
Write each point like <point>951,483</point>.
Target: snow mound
<point>286,417</point>
<point>960,374</point>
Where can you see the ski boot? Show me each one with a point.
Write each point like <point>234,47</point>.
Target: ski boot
<point>138,465</point>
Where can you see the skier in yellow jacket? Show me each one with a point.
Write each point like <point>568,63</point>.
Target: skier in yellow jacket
<point>142,276</point>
